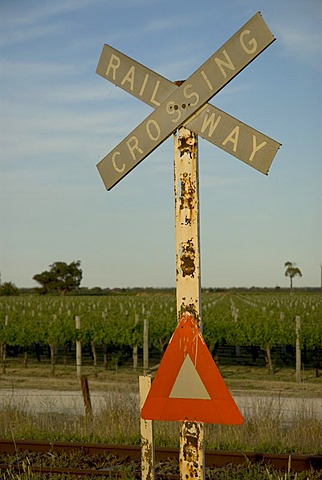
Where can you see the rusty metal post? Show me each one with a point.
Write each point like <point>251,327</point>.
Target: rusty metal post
<point>188,285</point>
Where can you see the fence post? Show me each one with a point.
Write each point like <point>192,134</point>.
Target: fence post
<point>145,346</point>
<point>298,348</point>
<point>86,398</point>
<point>78,348</point>
<point>135,347</point>
<point>3,348</point>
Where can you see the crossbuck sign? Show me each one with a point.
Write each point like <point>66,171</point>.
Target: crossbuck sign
<point>186,105</point>
<point>182,108</point>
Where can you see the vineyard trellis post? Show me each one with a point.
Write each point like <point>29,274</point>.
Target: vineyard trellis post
<point>145,345</point>
<point>78,348</point>
<point>135,347</point>
<point>3,347</point>
<point>298,348</point>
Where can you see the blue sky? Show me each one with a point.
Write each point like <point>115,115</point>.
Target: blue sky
<point>58,119</point>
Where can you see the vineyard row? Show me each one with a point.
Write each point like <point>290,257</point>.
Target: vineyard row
<point>252,323</point>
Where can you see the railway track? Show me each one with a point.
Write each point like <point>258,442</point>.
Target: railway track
<point>132,454</point>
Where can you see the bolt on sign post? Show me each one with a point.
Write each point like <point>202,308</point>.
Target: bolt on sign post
<point>187,393</point>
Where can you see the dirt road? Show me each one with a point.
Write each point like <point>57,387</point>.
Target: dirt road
<point>36,401</point>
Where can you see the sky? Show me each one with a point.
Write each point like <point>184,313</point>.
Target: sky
<point>58,119</point>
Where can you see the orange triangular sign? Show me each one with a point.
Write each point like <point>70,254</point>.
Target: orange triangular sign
<point>188,384</point>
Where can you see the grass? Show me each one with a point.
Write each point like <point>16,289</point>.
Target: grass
<point>266,430</point>
<point>118,422</point>
<point>120,425</point>
<point>256,380</point>
<point>246,471</point>
<point>37,375</point>
<point>238,378</point>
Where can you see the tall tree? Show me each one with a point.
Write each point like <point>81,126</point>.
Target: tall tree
<point>61,278</point>
<point>292,271</point>
<point>8,288</point>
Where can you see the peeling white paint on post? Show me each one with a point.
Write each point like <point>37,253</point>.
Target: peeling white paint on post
<point>188,285</point>
<point>187,223</point>
<point>192,451</point>
<point>147,433</point>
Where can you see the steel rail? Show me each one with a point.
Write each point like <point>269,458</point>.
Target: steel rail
<point>214,458</point>
<point>79,472</point>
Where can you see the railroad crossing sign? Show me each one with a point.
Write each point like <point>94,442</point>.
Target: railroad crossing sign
<point>187,104</point>
<point>183,108</point>
<point>188,385</point>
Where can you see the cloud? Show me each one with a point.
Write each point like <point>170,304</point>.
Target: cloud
<point>23,69</point>
<point>300,42</point>
<point>170,23</point>
<point>22,36</point>
<point>302,35</point>
<point>31,22</point>
<point>30,16</point>
<point>57,127</point>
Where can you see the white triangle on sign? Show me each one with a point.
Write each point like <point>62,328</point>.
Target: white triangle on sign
<point>188,383</point>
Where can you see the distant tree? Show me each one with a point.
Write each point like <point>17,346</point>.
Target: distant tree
<point>8,288</point>
<point>61,278</point>
<point>292,271</point>
<point>96,291</point>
